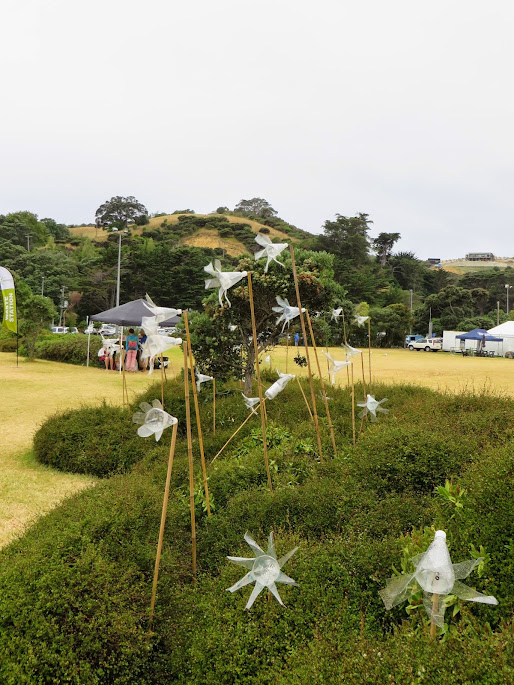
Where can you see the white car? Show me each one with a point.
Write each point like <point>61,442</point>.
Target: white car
<point>427,344</point>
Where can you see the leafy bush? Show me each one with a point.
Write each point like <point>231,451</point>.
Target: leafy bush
<point>7,340</point>
<point>70,348</point>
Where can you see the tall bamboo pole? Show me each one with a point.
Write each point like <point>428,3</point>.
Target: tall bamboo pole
<point>305,399</point>
<point>197,411</point>
<point>353,406</point>
<point>345,342</point>
<point>163,522</point>
<point>287,350</point>
<point>256,354</point>
<point>162,381</point>
<point>234,435</point>
<point>322,382</point>
<point>433,626</point>
<point>190,460</point>
<point>214,406</point>
<point>306,343</point>
<point>369,350</point>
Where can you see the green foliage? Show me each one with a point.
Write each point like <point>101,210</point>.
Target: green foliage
<point>119,211</point>
<point>34,315</point>
<point>70,348</point>
<point>256,207</point>
<point>7,340</point>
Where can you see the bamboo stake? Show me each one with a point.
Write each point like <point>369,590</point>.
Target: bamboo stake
<point>256,353</point>
<point>163,522</point>
<point>214,406</point>
<point>365,392</point>
<point>322,382</point>
<point>190,460</point>
<point>433,627</point>
<point>162,381</point>
<point>345,342</point>
<point>303,395</point>
<point>369,350</point>
<point>306,343</point>
<point>353,407</point>
<point>234,435</point>
<point>287,349</point>
<point>197,411</point>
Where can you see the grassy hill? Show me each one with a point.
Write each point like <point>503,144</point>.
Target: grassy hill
<point>205,235</point>
<point>462,266</point>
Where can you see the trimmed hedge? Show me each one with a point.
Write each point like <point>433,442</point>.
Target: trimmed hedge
<point>75,591</point>
<point>70,348</point>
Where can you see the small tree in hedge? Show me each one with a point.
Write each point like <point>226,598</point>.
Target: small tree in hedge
<point>35,314</point>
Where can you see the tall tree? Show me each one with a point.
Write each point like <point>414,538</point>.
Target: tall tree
<point>119,211</point>
<point>383,246</point>
<point>347,237</point>
<point>257,206</point>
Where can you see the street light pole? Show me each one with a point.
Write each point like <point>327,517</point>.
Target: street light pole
<point>410,333</point>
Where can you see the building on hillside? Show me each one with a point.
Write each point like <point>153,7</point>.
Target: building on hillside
<point>434,260</point>
<point>480,257</point>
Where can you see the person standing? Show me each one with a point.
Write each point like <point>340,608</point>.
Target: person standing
<point>131,348</point>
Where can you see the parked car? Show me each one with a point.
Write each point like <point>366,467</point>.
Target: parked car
<point>107,330</point>
<point>59,329</point>
<point>411,338</point>
<point>427,344</point>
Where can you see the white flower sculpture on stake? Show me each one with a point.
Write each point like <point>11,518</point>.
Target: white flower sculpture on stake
<point>334,366</point>
<point>336,313</point>
<point>371,406</point>
<point>350,351</point>
<point>222,279</point>
<point>437,577</point>
<point>278,386</point>
<point>110,345</point>
<point>359,320</point>
<point>271,250</point>
<point>155,343</point>
<point>264,570</point>
<point>202,378</point>
<point>250,402</point>
<point>287,313</point>
<point>154,420</point>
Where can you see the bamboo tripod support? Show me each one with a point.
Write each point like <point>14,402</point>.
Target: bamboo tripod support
<point>234,435</point>
<point>305,398</point>
<point>287,350</point>
<point>261,402</point>
<point>197,412</point>
<point>345,340</point>
<point>365,393</point>
<point>322,382</point>
<point>190,460</point>
<point>162,381</point>
<point>306,343</point>
<point>163,522</point>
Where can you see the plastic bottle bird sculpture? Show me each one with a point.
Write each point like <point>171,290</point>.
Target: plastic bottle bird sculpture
<point>287,313</point>
<point>336,313</point>
<point>163,312</point>
<point>437,577</point>
<point>371,406</point>
<point>279,385</point>
<point>264,570</point>
<point>153,419</point>
<point>359,320</point>
<point>202,378</point>
<point>271,250</point>
<point>156,343</point>
<point>350,351</point>
<point>222,279</point>
<point>111,345</point>
<point>250,402</point>
<point>334,366</point>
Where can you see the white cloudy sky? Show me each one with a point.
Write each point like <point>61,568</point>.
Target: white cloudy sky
<point>400,109</point>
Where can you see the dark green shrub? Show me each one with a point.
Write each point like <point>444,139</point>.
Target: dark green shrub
<point>7,340</point>
<point>70,348</point>
<point>96,440</point>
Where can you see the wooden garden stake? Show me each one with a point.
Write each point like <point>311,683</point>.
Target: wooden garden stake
<point>353,406</point>
<point>433,627</point>
<point>287,349</point>
<point>369,350</point>
<point>303,395</point>
<point>163,522</point>
<point>198,422</point>
<point>322,382</point>
<point>261,402</point>
<point>162,381</point>
<point>345,342</point>
<point>306,343</point>
<point>214,405</point>
<point>190,460</point>
<point>233,435</point>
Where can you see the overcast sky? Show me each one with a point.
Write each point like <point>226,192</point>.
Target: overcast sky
<point>400,109</point>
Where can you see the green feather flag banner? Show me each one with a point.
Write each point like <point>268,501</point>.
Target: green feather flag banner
<point>9,299</point>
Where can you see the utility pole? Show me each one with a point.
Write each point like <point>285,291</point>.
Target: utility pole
<point>508,287</point>
<point>62,306</point>
<point>28,236</point>
<point>42,286</point>
<point>410,332</point>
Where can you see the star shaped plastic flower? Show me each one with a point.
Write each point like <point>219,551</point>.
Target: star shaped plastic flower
<point>250,402</point>
<point>110,345</point>
<point>202,378</point>
<point>155,343</point>
<point>350,351</point>
<point>336,313</point>
<point>359,320</point>
<point>154,420</point>
<point>371,406</point>
<point>437,577</point>
<point>271,250</point>
<point>222,279</point>
<point>264,570</point>
<point>287,313</point>
<point>334,366</point>
<point>279,385</point>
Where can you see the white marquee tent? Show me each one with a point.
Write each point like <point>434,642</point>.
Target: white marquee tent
<point>505,331</point>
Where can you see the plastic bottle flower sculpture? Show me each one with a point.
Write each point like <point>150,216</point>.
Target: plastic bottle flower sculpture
<point>202,378</point>
<point>154,420</point>
<point>437,577</point>
<point>271,250</point>
<point>350,351</point>
<point>250,402</point>
<point>279,385</point>
<point>287,313</point>
<point>359,320</point>
<point>334,366</point>
<point>336,313</point>
<point>371,406</point>
<point>222,279</point>
<point>111,345</point>
<point>264,570</point>
<point>156,343</point>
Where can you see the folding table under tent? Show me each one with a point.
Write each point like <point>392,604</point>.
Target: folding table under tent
<point>129,314</point>
<point>479,335</point>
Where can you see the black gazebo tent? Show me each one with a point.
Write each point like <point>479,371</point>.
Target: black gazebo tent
<point>130,314</point>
